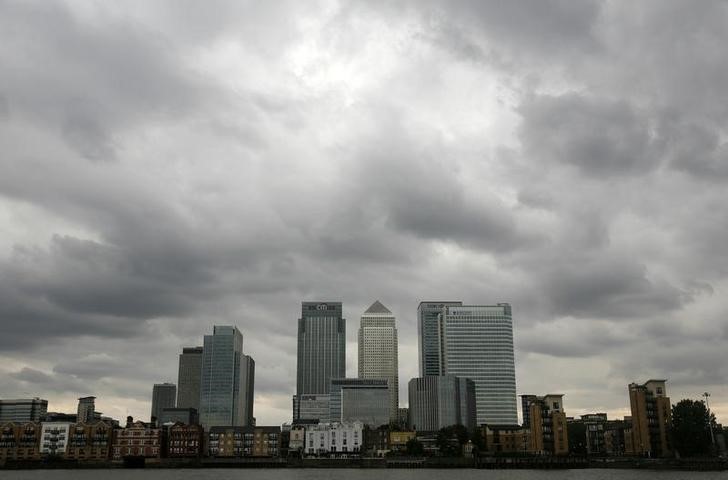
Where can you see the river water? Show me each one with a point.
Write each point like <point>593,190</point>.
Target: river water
<point>356,474</point>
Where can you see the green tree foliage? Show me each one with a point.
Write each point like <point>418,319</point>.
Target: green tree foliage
<point>691,423</point>
<point>450,440</point>
<point>478,441</point>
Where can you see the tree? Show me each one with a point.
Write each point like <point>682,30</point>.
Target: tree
<point>414,447</point>
<point>691,423</point>
<point>478,441</point>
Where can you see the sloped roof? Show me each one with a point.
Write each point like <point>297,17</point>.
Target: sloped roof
<point>377,307</point>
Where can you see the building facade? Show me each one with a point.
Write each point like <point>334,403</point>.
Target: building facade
<point>188,378</point>
<point>436,402</point>
<point>226,442</point>
<point>360,399</point>
<point>549,434</point>
<point>326,439</point>
<point>595,426</point>
<point>430,337</point>
<point>140,440</point>
<point>19,441</point>
<point>378,351</point>
<point>164,395</point>
<point>186,416</point>
<point>312,407</point>
<point>54,438</point>
<point>90,442</point>
<point>506,439</point>
<point>23,410</point>
<point>478,344</point>
<point>321,348</point>
<point>247,384</point>
<point>651,419</point>
<point>224,383</point>
<point>85,412</point>
<point>185,441</point>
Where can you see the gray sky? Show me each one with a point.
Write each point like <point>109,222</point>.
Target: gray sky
<point>171,165</point>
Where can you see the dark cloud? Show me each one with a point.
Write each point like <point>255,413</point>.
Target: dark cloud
<point>602,138</point>
<point>167,167</point>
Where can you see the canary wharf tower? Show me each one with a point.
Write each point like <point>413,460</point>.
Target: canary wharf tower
<point>321,348</point>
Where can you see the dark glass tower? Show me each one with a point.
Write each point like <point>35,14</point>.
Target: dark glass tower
<point>321,347</point>
<point>430,339</point>
<point>225,380</point>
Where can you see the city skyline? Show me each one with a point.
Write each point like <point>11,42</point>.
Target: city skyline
<point>166,168</point>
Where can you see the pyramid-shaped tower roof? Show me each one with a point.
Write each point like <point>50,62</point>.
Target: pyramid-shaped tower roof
<point>377,307</point>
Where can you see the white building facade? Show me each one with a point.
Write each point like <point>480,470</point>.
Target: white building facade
<point>54,438</point>
<point>378,351</point>
<point>334,438</point>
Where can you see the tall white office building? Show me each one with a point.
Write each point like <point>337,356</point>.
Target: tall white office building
<point>378,352</point>
<point>477,343</point>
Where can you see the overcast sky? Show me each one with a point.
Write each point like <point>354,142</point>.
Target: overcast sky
<point>167,166</point>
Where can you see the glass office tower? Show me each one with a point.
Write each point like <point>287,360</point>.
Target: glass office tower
<point>428,333</point>
<point>321,346</point>
<point>188,378</point>
<point>222,382</point>
<point>477,343</point>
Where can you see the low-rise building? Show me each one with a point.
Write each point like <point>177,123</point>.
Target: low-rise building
<point>296,440</point>
<point>54,438</point>
<point>185,441</point>
<point>244,441</point>
<point>548,425</point>
<point>19,441</point>
<point>139,440</point>
<point>506,438</point>
<point>90,442</point>
<point>334,439</point>
<point>398,440</point>
<point>614,437</point>
<point>595,427</point>
<point>376,440</point>
<point>651,419</point>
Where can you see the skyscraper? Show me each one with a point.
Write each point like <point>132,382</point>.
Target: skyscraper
<point>476,342</point>
<point>378,351</point>
<point>429,336</point>
<point>225,379</point>
<point>247,385</point>
<point>188,378</point>
<point>86,409</point>
<point>321,348</point>
<point>163,396</point>
<point>436,402</point>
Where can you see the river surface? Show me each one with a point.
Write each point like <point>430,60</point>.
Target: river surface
<point>356,474</point>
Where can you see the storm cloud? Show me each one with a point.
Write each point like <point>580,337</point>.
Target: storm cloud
<point>167,167</point>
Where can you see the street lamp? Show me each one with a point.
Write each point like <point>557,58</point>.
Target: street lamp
<point>710,424</point>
